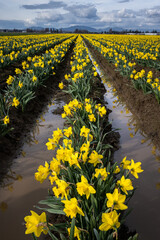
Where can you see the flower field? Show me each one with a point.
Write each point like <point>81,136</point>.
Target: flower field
<point>132,55</point>
<point>87,189</point>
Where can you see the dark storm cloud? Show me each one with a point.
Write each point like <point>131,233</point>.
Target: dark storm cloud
<point>83,11</point>
<point>49,5</point>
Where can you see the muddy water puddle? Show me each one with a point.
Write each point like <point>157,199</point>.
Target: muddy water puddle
<point>145,216</point>
<point>135,144</point>
<point>20,191</point>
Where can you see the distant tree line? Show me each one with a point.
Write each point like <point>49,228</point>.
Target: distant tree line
<point>54,30</point>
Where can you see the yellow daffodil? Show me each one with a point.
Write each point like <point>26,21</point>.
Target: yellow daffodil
<point>102,172</point>
<point>51,145</point>
<point>135,168</point>
<point>57,135</point>
<point>84,188</point>
<point>18,71</point>
<point>73,159</point>
<point>76,232</point>
<point>55,165</point>
<point>102,111</point>
<point>117,170</point>
<point>6,120</point>
<point>110,221</point>
<point>30,71</point>
<point>10,80</point>
<point>95,158</point>
<point>20,84</point>
<point>34,78</point>
<point>42,173</point>
<point>71,208</point>
<point>61,86</point>
<point>125,163</point>
<point>88,108</point>
<point>116,200</point>
<point>36,224</point>
<point>15,102</point>
<point>53,178</point>
<point>92,118</point>
<point>84,131</point>
<point>67,142</point>
<point>125,184</point>
<point>68,132</point>
<point>61,189</point>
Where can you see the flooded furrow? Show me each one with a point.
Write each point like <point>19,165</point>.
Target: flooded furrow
<point>20,191</point>
<point>136,144</point>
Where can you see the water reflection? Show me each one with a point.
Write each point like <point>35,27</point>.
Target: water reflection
<point>138,140</point>
<point>3,206</point>
<point>137,144</point>
<point>10,178</point>
<point>19,191</point>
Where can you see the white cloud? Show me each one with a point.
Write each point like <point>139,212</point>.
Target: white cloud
<point>29,22</point>
<point>98,14</point>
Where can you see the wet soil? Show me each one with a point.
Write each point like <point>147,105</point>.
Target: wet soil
<point>144,107</point>
<point>23,122</point>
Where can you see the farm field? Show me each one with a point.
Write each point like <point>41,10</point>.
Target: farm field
<point>79,114</point>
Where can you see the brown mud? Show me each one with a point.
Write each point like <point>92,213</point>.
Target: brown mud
<point>144,107</point>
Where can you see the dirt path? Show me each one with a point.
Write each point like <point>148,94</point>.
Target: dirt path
<point>145,107</point>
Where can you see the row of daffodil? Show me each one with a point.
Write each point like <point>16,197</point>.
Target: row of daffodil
<point>122,63</point>
<point>16,43</point>
<point>142,49</point>
<point>140,80</point>
<point>27,46</point>
<point>85,186</point>
<point>21,87</point>
<point>146,82</point>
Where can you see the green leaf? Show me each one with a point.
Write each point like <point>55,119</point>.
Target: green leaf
<point>96,234</point>
<point>34,237</point>
<point>53,237</point>
<point>62,236</point>
<point>72,229</point>
<point>50,210</point>
<point>135,237</point>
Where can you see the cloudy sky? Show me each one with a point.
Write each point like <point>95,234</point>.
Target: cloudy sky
<point>126,14</point>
